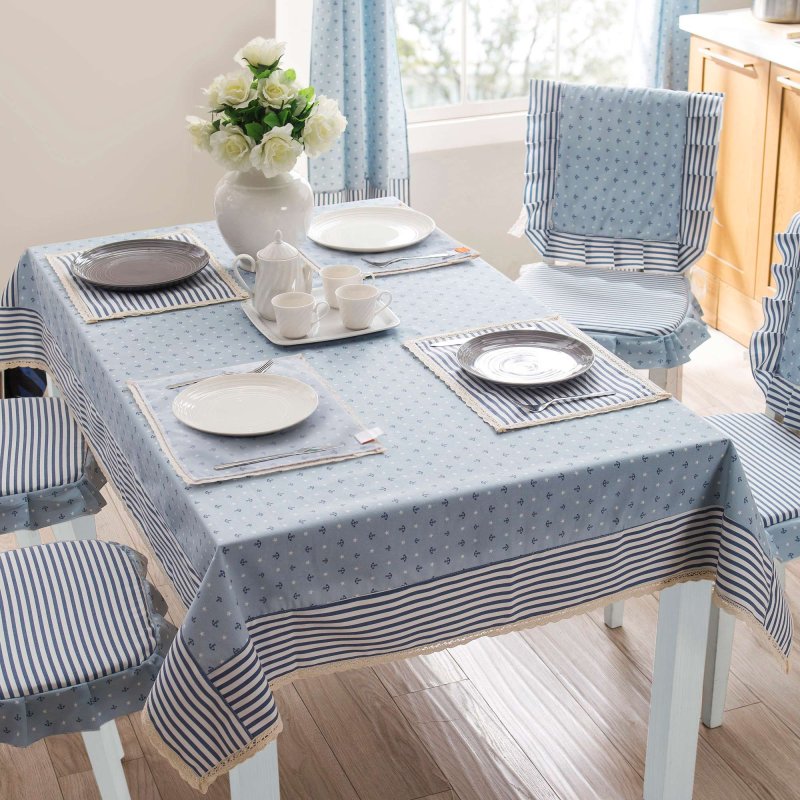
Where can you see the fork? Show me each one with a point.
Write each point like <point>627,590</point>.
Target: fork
<point>259,369</point>
<point>455,253</point>
<point>536,407</point>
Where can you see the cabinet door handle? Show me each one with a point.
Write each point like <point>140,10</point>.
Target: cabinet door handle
<point>707,52</point>
<point>788,83</point>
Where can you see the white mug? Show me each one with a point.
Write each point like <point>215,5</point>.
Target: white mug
<point>297,313</point>
<point>359,303</point>
<point>337,275</point>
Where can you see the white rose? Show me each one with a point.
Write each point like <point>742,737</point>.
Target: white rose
<point>200,130</point>
<point>276,90</point>
<point>323,127</point>
<point>277,152</point>
<point>260,52</point>
<point>231,148</point>
<point>233,89</point>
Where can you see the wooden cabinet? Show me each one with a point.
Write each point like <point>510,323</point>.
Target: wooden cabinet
<point>758,180</point>
<point>780,195</point>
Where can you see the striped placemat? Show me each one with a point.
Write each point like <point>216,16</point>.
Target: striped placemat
<point>495,403</point>
<point>213,284</point>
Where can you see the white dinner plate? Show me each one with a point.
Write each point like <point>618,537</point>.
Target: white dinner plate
<point>245,405</point>
<point>371,229</point>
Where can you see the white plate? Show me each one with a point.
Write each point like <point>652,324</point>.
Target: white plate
<point>330,327</point>
<point>245,405</point>
<point>371,229</point>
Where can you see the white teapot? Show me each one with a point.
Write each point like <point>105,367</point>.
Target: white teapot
<point>279,267</point>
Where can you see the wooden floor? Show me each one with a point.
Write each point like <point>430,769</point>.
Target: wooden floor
<point>556,712</point>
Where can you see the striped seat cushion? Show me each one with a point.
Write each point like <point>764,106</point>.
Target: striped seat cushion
<point>771,457</point>
<point>608,300</point>
<point>70,613</point>
<point>41,446</point>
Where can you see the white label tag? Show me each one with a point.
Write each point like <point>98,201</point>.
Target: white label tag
<point>368,435</point>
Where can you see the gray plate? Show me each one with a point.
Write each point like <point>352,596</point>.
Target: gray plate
<point>139,264</point>
<point>525,357</point>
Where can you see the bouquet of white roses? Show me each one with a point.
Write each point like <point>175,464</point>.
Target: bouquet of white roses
<point>261,118</point>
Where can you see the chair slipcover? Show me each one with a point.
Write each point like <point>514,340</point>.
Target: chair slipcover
<point>47,474</point>
<point>649,321</point>
<point>82,637</point>
<point>770,450</point>
<point>771,457</point>
<point>622,179</point>
<point>775,348</point>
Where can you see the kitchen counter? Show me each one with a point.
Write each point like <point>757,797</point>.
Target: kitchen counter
<point>742,31</point>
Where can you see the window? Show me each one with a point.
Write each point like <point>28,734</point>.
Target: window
<point>463,58</point>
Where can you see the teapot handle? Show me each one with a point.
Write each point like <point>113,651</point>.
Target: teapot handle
<point>306,274</point>
<point>248,262</point>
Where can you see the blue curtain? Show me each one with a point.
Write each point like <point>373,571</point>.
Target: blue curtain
<point>663,49</point>
<point>354,60</point>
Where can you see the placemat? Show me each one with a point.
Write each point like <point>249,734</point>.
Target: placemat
<point>437,242</point>
<point>494,403</point>
<point>213,284</point>
<point>194,454</point>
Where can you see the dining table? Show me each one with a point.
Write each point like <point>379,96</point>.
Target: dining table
<point>453,530</point>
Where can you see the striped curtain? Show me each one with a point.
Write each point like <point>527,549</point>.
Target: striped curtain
<point>661,48</point>
<point>354,60</point>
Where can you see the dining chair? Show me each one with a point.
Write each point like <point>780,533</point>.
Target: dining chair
<point>82,636</point>
<point>48,477</point>
<point>81,632</point>
<point>769,447</point>
<point>618,191</point>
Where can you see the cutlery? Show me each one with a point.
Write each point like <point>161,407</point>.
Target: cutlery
<point>467,254</point>
<point>302,452</point>
<point>261,368</point>
<point>536,407</point>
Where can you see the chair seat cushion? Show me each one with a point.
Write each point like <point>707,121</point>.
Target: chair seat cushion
<point>771,457</point>
<point>47,474</point>
<point>610,301</point>
<point>81,637</point>
<point>648,320</point>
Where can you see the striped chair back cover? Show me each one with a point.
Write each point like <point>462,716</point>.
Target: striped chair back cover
<point>667,228</point>
<point>775,347</point>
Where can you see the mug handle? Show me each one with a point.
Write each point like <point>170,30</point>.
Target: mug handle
<point>248,262</point>
<point>319,312</point>
<point>386,303</point>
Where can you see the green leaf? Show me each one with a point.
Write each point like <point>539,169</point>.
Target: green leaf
<point>284,114</point>
<point>308,93</point>
<point>255,130</point>
<point>271,119</point>
<point>289,75</point>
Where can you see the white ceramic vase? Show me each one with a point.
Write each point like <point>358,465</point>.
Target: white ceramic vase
<point>250,208</point>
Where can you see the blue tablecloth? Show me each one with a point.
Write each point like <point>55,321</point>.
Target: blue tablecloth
<point>454,531</point>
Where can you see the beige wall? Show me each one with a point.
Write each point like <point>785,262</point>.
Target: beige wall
<point>93,100</point>
<point>92,97</point>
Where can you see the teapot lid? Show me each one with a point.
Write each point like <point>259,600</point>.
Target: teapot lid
<point>278,250</point>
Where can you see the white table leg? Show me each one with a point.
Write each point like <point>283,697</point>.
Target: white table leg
<point>27,538</point>
<point>79,528</point>
<point>677,691</point>
<point>614,613</point>
<point>670,380</point>
<point>721,627</point>
<point>105,754</point>
<point>257,778</point>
